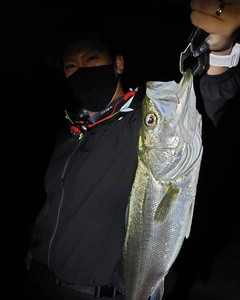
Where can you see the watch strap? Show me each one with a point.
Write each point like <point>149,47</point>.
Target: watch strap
<point>229,61</point>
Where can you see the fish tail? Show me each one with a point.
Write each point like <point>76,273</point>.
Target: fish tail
<point>158,294</point>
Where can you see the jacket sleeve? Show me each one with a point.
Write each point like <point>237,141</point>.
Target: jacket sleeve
<point>218,91</point>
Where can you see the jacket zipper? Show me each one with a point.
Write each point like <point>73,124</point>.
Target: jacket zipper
<point>62,197</point>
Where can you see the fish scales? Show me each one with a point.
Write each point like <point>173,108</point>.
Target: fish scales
<point>162,198</point>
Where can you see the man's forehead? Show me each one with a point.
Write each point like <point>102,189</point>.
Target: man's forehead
<point>86,45</point>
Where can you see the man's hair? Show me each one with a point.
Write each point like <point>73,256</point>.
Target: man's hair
<point>55,50</point>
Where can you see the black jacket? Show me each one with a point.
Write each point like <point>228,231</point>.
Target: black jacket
<point>79,233</point>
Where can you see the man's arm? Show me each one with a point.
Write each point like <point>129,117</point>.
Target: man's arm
<point>222,21</point>
<point>219,86</point>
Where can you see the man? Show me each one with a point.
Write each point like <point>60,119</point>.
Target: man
<point>78,236</point>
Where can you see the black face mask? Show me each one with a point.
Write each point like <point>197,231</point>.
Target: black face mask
<point>93,87</point>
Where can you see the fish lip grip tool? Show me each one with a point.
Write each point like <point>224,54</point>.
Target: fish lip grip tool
<point>196,54</point>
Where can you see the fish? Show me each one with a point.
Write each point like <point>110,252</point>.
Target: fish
<point>161,203</point>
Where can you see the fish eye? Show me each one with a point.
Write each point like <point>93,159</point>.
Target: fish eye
<point>150,120</point>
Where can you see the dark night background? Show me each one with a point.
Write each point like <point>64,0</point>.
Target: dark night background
<point>152,35</point>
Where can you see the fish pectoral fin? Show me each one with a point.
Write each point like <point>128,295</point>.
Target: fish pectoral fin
<point>167,202</point>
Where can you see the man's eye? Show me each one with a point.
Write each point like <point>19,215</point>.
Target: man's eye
<point>69,67</point>
<point>91,58</point>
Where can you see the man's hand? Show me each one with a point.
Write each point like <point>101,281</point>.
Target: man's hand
<point>222,27</point>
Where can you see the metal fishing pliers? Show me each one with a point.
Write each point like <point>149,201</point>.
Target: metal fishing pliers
<point>195,56</point>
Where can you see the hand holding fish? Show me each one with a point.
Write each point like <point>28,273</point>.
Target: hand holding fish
<point>220,19</point>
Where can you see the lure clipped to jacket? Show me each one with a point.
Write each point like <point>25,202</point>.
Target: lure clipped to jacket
<point>162,198</point>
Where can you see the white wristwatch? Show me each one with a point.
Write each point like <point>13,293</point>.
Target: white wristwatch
<point>229,61</point>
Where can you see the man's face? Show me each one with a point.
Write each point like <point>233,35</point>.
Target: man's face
<point>87,53</point>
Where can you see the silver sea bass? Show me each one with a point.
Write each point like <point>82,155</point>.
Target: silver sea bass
<point>162,198</point>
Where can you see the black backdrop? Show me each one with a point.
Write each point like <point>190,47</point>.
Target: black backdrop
<point>152,35</point>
